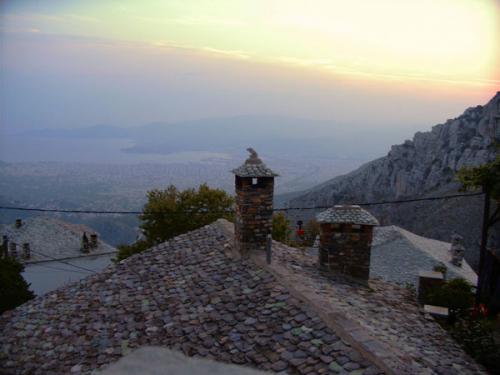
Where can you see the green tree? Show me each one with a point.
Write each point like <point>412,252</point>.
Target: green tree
<point>14,290</point>
<point>487,178</point>
<point>171,212</point>
<point>312,230</point>
<point>124,251</point>
<point>456,294</point>
<point>281,228</point>
<point>477,337</point>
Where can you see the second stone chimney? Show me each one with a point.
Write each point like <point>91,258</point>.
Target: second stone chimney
<point>254,184</point>
<point>93,241</point>
<point>346,234</point>
<point>13,250</point>
<point>457,250</point>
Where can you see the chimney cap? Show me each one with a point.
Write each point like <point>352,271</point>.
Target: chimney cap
<point>253,167</point>
<point>347,214</point>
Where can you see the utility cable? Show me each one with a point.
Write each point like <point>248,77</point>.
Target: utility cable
<point>62,261</point>
<point>61,269</point>
<point>231,211</point>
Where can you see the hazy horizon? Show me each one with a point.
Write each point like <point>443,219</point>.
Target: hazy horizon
<point>69,64</point>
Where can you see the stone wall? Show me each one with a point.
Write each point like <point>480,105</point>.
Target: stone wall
<point>346,248</point>
<point>254,211</point>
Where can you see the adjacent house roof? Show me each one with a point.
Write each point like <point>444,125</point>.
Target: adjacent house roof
<point>398,255</point>
<point>253,167</point>
<point>51,238</point>
<point>349,214</point>
<point>191,295</point>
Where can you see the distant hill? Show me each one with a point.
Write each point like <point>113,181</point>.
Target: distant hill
<point>423,166</point>
<point>96,131</point>
<point>280,135</point>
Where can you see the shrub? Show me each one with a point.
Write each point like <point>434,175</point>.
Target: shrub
<point>312,230</point>
<point>411,289</point>
<point>14,290</point>
<point>281,228</point>
<point>455,294</point>
<point>124,251</point>
<point>476,337</point>
<point>441,267</point>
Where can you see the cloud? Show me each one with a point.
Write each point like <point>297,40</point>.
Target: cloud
<point>340,66</point>
<point>229,53</point>
<point>360,69</point>
<point>193,21</point>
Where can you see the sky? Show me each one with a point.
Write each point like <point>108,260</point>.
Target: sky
<point>364,63</point>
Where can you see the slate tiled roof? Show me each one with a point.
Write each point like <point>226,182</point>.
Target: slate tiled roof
<point>253,170</point>
<point>253,167</point>
<point>186,294</point>
<point>349,214</point>
<point>384,316</point>
<point>191,295</point>
<point>52,237</point>
<point>399,255</point>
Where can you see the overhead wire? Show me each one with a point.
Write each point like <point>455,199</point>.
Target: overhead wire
<point>98,212</point>
<point>62,269</point>
<point>64,262</point>
<point>203,212</point>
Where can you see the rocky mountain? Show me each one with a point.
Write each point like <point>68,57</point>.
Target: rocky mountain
<point>423,166</point>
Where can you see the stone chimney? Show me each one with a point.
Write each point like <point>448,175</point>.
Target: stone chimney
<point>85,246</point>
<point>346,234</point>
<point>254,184</point>
<point>93,241</point>
<point>457,250</point>
<point>19,223</point>
<point>13,250</point>
<point>26,251</point>
<point>5,246</point>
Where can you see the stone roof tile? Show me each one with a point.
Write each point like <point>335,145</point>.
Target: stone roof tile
<point>190,295</point>
<point>253,167</point>
<point>348,214</point>
<point>186,294</point>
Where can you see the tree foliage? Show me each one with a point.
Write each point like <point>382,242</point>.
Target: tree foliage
<point>312,230</point>
<point>14,290</point>
<point>171,212</point>
<point>281,228</point>
<point>456,294</point>
<point>476,336</point>
<point>486,177</point>
<point>125,251</point>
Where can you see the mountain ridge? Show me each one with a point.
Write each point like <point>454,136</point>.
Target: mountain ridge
<point>280,135</point>
<point>425,165</point>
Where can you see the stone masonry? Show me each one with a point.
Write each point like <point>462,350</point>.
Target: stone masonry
<point>254,184</point>
<point>346,234</point>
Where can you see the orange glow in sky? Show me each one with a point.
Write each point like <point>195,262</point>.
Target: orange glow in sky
<point>449,41</point>
<point>307,58</point>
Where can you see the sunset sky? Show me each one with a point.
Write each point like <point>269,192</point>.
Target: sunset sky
<point>385,62</point>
